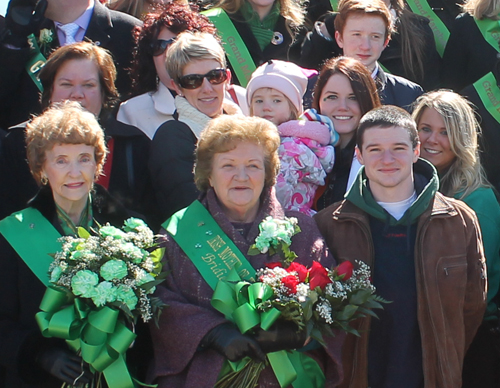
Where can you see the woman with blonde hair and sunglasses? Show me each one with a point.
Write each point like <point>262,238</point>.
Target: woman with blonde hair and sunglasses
<point>196,64</point>
<point>448,132</point>
<point>152,101</point>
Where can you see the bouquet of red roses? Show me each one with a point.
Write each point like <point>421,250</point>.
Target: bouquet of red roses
<point>328,299</point>
<point>318,300</point>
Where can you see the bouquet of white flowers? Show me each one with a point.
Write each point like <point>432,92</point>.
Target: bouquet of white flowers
<point>102,283</point>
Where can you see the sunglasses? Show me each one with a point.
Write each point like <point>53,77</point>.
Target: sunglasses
<point>194,81</point>
<point>159,46</point>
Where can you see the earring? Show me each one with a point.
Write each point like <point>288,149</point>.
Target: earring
<point>44,180</point>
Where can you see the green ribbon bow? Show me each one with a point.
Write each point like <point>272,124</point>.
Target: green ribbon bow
<point>238,299</point>
<point>100,336</point>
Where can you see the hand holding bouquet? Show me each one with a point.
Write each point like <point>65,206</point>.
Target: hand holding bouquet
<point>102,283</point>
<point>315,301</point>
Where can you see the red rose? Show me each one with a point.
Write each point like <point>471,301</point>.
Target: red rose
<point>345,269</point>
<point>274,264</point>
<point>290,282</point>
<point>318,276</point>
<point>300,269</point>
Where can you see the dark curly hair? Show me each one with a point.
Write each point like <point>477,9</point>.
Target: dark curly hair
<point>177,18</point>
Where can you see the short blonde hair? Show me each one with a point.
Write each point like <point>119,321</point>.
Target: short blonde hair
<point>481,9</point>
<point>63,123</point>
<point>224,133</point>
<point>466,173</point>
<point>192,46</point>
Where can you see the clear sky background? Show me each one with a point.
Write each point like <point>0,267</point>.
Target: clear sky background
<point>3,6</point>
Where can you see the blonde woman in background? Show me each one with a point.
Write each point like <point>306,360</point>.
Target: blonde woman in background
<point>448,132</point>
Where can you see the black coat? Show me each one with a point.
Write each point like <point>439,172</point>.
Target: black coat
<point>467,56</point>
<point>316,50</point>
<point>129,183</point>
<point>394,90</point>
<point>20,338</point>
<point>171,167</point>
<point>19,96</point>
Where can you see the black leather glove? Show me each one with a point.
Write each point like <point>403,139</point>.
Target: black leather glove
<point>64,365</point>
<point>228,341</point>
<point>23,18</point>
<point>282,335</point>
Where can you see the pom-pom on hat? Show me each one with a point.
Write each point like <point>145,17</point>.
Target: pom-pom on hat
<point>286,77</point>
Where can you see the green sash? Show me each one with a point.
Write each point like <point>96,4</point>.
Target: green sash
<point>33,237</point>
<point>215,255</point>
<point>236,50</point>
<point>490,30</point>
<point>204,242</point>
<point>36,62</point>
<point>441,33</point>
<point>335,5</point>
<point>489,93</point>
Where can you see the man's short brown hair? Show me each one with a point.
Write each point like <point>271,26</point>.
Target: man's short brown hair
<point>363,7</point>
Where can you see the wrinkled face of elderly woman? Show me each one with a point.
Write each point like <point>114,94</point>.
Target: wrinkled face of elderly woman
<point>238,178</point>
<point>70,170</point>
<point>78,80</point>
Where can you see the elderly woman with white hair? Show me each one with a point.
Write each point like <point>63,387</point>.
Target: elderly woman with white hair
<point>196,63</point>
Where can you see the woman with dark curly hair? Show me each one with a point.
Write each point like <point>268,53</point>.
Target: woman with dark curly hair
<point>153,101</point>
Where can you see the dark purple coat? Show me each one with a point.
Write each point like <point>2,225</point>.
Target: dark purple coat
<point>178,362</point>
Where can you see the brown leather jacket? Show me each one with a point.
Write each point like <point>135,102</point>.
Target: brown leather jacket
<point>451,285</point>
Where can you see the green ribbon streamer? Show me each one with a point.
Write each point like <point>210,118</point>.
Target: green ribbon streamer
<point>36,62</point>
<point>100,336</point>
<point>30,225</point>
<point>439,29</point>
<point>490,30</point>
<point>488,91</point>
<point>236,50</point>
<point>210,249</point>
<point>238,299</point>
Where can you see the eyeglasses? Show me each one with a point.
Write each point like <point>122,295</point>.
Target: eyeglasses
<point>194,81</point>
<point>159,46</point>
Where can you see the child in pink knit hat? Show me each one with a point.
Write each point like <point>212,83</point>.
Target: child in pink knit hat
<point>306,152</point>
